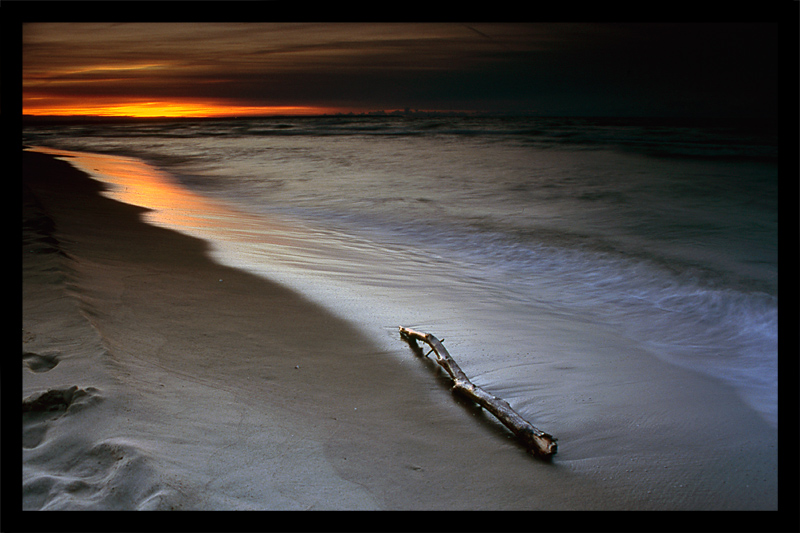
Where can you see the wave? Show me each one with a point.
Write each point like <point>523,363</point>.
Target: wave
<point>541,213</point>
<point>706,138</point>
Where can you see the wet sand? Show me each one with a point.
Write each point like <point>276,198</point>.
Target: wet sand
<point>154,378</point>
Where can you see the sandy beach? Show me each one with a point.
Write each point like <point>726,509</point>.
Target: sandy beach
<point>154,378</point>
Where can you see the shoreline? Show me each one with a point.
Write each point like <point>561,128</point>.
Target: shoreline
<point>207,380</point>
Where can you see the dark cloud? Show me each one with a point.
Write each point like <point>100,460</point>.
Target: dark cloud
<point>602,69</point>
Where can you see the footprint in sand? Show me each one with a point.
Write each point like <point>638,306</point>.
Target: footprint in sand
<point>40,410</point>
<point>114,473</point>
<point>111,474</point>
<point>39,362</point>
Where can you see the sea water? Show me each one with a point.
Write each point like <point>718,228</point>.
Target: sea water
<point>526,229</point>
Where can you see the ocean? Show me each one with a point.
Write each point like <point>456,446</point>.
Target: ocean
<point>520,240</point>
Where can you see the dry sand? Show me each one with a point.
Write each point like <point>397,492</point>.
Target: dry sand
<point>154,378</point>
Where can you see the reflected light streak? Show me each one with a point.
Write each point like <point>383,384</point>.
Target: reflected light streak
<point>171,206</point>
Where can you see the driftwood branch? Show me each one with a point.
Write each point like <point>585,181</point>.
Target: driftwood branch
<point>535,440</point>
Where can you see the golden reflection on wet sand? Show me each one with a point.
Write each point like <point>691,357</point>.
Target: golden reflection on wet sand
<point>170,205</point>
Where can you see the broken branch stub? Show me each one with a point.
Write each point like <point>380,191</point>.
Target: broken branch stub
<point>535,440</point>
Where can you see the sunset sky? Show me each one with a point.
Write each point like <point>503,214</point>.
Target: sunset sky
<point>212,69</point>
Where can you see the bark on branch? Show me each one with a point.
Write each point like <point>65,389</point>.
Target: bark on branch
<point>535,440</point>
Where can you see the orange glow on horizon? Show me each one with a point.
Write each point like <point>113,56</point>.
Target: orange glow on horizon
<point>38,106</point>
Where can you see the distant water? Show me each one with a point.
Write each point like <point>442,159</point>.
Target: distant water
<point>665,232</point>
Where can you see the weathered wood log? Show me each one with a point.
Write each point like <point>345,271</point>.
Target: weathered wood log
<point>535,440</point>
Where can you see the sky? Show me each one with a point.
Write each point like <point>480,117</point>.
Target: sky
<point>218,69</point>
